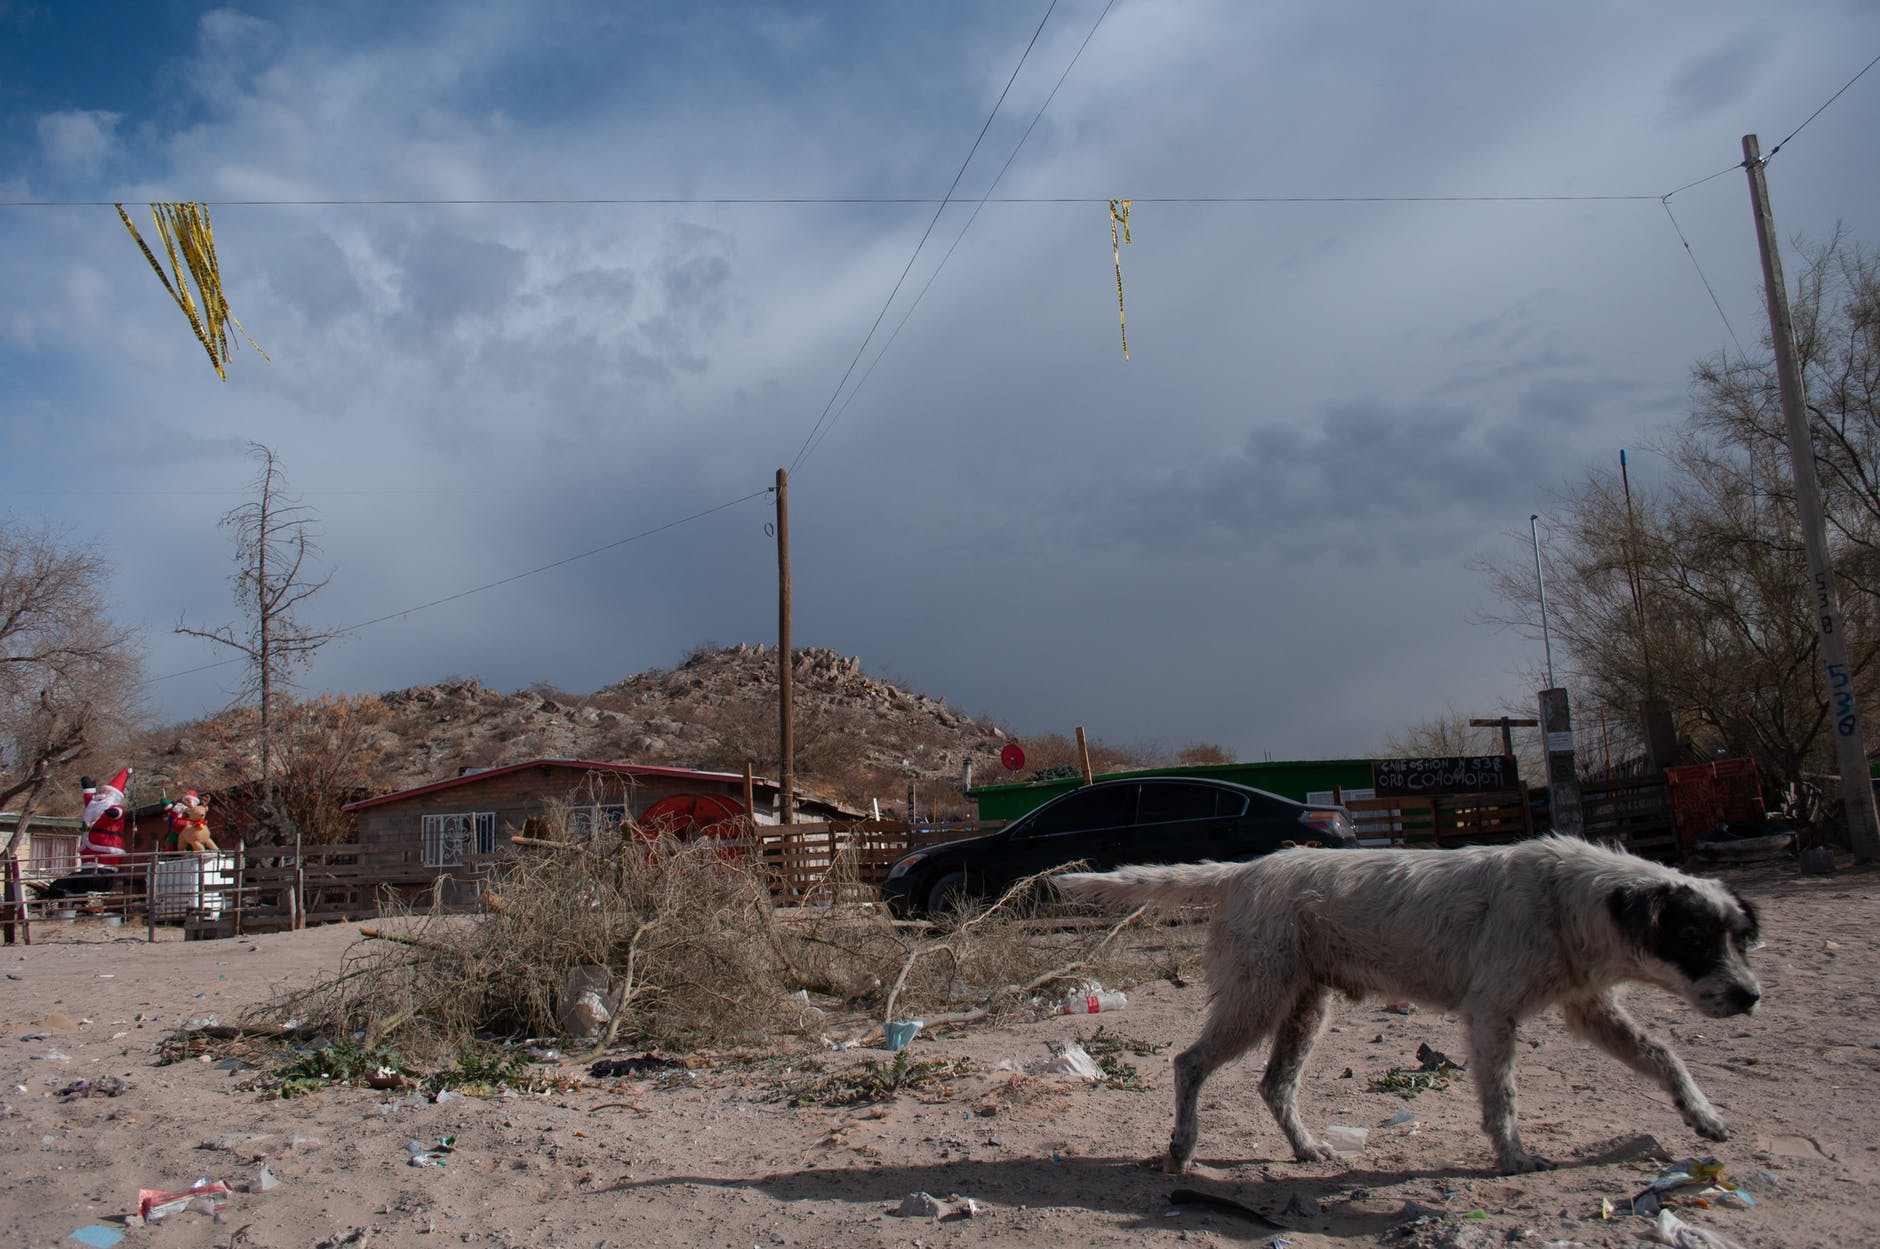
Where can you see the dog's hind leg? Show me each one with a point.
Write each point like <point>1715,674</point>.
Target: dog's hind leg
<point>1491,1052</point>
<point>1605,1023</point>
<point>1235,1025</point>
<point>1292,1044</point>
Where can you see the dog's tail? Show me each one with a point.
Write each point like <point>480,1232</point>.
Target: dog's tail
<point>1167,885</point>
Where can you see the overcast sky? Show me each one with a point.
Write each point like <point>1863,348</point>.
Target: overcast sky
<point>1256,531</point>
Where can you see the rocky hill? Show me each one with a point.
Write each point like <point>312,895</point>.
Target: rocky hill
<point>858,738</point>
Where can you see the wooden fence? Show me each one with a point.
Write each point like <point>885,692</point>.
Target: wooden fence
<point>846,861</point>
<point>1636,813</point>
<point>1442,820</point>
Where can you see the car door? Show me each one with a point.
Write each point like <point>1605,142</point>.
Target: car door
<point>1088,824</point>
<point>1267,824</point>
<point>1183,821</point>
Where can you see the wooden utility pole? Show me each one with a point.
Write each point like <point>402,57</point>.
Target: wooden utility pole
<point>1850,752</point>
<point>786,751</point>
<point>1083,756</point>
<point>1507,725</point>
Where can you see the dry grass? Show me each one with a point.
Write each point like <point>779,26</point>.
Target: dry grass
<point>698,956</point>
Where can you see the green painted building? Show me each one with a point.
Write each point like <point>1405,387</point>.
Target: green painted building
<point>1294,779</point>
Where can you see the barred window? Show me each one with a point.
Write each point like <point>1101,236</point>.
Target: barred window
<point>447,838</point>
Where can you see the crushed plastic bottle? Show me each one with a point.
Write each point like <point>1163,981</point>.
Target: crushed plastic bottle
<point>1093,1003</point>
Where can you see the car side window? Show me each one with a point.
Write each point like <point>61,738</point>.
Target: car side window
<point>1113,806</point>
<point>1162,802</point>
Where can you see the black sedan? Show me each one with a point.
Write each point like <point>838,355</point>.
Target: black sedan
<point>1110,823</point>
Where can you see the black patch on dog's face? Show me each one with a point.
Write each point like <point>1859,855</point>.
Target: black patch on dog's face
<point>1678,925</point>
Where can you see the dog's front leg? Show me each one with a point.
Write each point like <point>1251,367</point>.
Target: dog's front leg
<point>1491,1051</point>
<point>1604,1022</point>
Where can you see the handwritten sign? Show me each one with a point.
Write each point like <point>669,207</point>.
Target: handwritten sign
<point>1454,774</point>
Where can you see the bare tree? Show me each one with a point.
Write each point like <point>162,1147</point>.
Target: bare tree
<point>1722,629</point>
<point>68,673</point>
<point>273,543</point>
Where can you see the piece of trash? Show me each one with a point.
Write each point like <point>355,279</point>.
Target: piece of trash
<point>264,1181</point>
<point>1094,1002</point>
<point>1669,1229</point>
<point>423,1155</point>
<point>1401,1008</point>
<point>98,1236</point>
<point>1476,1214</point>
<point>1436,1060</point>
<point>154,1204</point>
<point>52,1056</point>
<point>1694,1179</point>
<point>449,1095</point>
<point>231,1065</point>
<point>1606,1208</point>
<point>897,1035</point>
<point>963,1207</point>
<point>1069,1059</point>
<point>103,1086</point>
<point>1403,1123</point>
<point>1345,1139</point>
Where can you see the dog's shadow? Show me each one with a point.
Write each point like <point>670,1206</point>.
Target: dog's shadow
<point>1132,1190</point>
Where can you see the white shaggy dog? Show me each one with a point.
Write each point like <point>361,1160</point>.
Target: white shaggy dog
<point>1495,933</point>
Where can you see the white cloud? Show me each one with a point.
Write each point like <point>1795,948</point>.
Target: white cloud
<point>78,141</point>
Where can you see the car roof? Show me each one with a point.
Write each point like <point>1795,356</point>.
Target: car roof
<point>1205,782</point>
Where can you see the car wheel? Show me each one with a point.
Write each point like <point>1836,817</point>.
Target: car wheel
<point>948,894</point>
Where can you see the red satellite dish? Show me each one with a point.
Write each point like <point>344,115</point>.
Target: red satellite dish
<point>692,816</point>
<point>1013,756</point>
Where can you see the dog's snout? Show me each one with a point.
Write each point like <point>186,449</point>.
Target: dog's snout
<point>1741,999</point>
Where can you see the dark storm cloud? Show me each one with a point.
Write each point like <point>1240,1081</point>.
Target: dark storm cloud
<point>1719,77</point>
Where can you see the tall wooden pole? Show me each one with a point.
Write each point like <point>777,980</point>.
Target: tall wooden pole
<point>1850,752</point>
<point>786,751</point>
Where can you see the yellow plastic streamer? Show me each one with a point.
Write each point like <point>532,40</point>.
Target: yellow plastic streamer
<point>184,227</point>
<point>1119,215</point>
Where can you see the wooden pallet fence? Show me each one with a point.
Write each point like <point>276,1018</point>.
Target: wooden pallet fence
<point>1442,820</point>
<point>1635,813</point>
<point>847,860</point>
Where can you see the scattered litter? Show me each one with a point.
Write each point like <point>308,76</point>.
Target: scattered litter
<point>1093,1002</point>
<point>1695,1181</point>
<point>103,1086</point>
<point>1214,1201</point>
<point>1345,1139</point>
<point>155,1204</point>
<point>1436,1060</point>
<point>581,1008</point>
<point>641,1064</point>
<point>1669,1229</point>
<point>264,1181</point>
<point>98,1236</point>
<point>1069,1059</point>
<point>897,1035</point>
<point>52,1056</point>
<point>1401,1008</point>
<point>423,1155</point>
<point>1403,1123</point>
<point>410,1101</point>
<point>449,1095</point>
<point>231,1065</point>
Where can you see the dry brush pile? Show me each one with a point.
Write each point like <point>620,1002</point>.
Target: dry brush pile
<point>683,946</point>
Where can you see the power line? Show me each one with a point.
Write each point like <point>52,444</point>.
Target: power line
<point>491,585</point>
<point>902,324</point>
<point>906,201</point>
<point>996,105</point>
<point>1714,301</point>
<point>1824,108</point>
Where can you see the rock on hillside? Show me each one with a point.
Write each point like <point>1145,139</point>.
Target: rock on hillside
<point>857,738</point>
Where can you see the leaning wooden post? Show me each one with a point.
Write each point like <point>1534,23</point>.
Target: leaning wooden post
<point>1083,755</point>
<point>241,881</point>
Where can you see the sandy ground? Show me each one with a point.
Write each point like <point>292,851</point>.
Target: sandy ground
<point>710,1157</point>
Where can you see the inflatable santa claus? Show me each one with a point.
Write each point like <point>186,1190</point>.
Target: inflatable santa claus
<point>102,844</point>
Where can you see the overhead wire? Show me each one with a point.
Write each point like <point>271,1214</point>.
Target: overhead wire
<point>1016,148</point>
<point>996,106</point>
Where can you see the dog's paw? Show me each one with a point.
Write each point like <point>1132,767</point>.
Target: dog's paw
<point>1709,1125</point>
<point>1171,1165</point>
<point>1520,1162</point>
<point>1315,1151</point>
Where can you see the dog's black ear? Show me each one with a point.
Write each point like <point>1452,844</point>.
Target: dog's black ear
<point>1635,910</point>
<point>1749,913</point>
